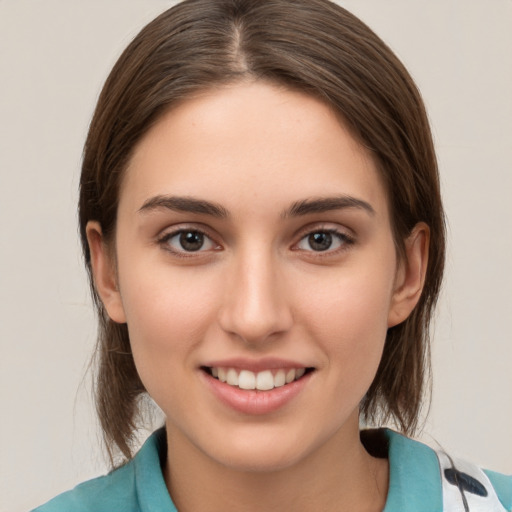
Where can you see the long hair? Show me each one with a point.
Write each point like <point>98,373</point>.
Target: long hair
<point>313,46</point>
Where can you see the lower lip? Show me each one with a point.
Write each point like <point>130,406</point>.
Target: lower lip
<point>253,401</point>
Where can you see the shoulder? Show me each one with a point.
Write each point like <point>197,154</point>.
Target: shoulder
<point>138,486</point>
<point>447,482</point>
<point>503,485</point>
<point>115,491</point>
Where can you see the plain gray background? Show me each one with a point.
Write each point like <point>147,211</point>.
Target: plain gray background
<point>54,57</point>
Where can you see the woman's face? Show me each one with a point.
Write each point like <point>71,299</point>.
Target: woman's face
<point>253,244</point>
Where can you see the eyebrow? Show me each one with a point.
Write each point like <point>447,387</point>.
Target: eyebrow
<point>184,204</point>
<point>326,204</point>
<point>297,209</point>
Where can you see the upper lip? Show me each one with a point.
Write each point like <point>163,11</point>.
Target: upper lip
<point>255,365</point>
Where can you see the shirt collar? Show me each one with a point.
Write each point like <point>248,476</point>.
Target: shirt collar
<point>152,491</point>
<point>414,476</point>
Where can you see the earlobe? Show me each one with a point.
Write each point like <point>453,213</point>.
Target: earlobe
<point>410,277</point>
<point>104,273</point>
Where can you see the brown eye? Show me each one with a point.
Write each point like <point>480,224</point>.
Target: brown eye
<point>324,241</point>
<point>187,241</point>
<point>320,241</point>
<point>191,240</point>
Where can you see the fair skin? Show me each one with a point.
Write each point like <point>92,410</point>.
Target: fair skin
<point>254,236</point>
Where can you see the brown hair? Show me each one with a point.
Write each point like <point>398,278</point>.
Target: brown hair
<point>310,45</point>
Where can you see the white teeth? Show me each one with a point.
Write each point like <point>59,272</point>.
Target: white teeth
<point>279,379</point>
<point>263,381</point>
<point>247,380</point>
<point>232,377</point>
<point>290,376</point>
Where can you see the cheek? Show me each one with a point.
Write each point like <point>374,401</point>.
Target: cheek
<point>168,314</point>
<point>348,318</point>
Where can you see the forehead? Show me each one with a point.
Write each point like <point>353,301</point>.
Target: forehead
<point>251,143</point>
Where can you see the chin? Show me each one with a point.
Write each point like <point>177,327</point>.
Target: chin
<point>260,453</point>
<point>259,461</point>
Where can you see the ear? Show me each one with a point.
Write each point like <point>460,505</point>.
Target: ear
<point>104,273</point>
<point>410,276</point>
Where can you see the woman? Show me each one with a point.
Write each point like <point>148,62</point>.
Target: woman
<point>262,223</point>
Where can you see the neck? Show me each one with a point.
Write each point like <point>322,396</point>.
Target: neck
<point>339,476</point>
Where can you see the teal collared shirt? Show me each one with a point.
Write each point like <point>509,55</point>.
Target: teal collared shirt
<point>414,486</point>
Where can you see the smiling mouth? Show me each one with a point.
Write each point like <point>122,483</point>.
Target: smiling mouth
<point>265,380</point>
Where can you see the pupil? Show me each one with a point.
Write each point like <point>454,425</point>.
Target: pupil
<point>320,241</point>
<point>191,240</point>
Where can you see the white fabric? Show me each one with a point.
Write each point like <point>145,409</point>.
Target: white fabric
<point>457,499</point>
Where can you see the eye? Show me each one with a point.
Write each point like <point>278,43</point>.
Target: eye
<point>187,241</point>
<point>325,240</point>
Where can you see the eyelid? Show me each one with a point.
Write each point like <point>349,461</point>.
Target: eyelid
<point>345,235</point>
<point>167,234</point>
<point>331,227</point>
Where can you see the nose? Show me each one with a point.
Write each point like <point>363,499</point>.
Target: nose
<point>256,307</point>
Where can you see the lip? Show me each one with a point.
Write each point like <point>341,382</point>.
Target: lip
<point>268,363</point>
<point>255,402</point>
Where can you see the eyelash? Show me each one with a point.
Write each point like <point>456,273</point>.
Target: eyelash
<point>343,238</point>
<point>165,239</point>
